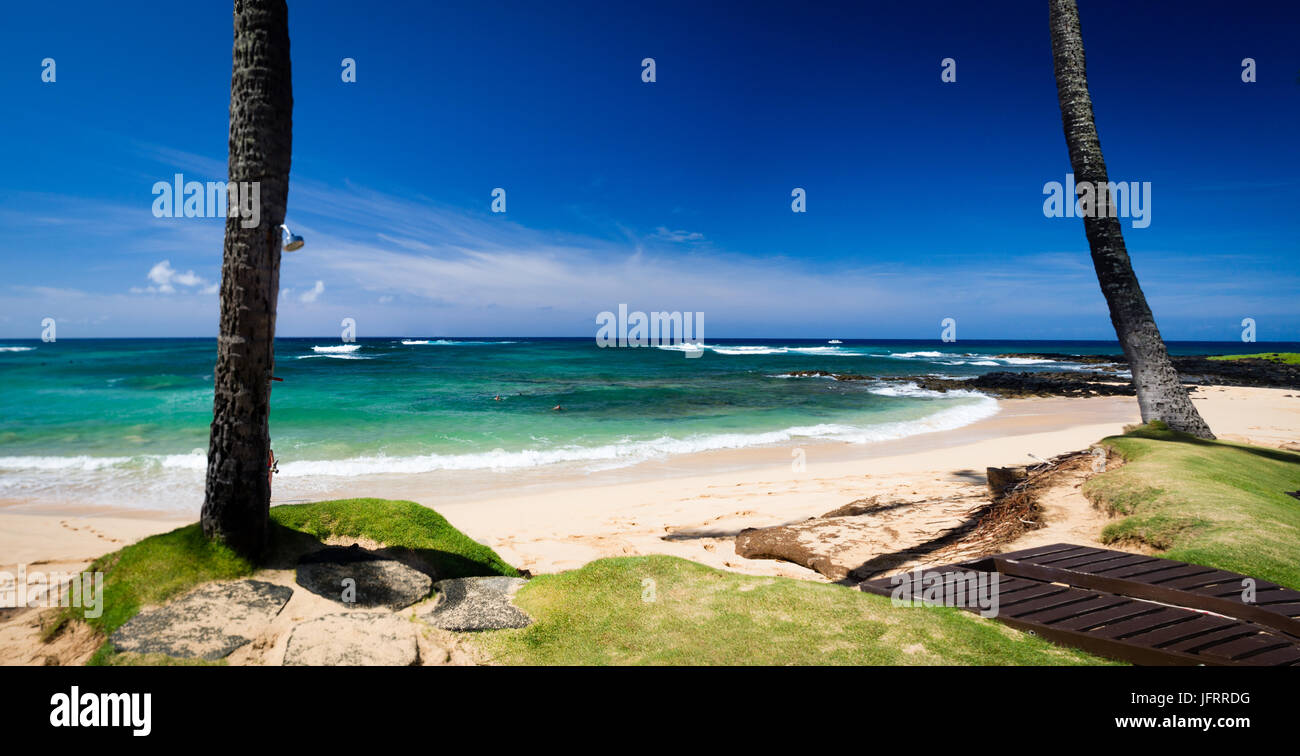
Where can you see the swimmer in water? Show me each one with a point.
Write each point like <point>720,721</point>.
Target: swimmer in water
<point>557,408</point>
<point>496,398</point>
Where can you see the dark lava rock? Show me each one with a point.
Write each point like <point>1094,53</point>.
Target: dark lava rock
<point>1005,384</point>
<point>477,603</point>
<point>1101,380</point>
<point>1252,372</point>
<point>208,623</point>
<point>1200,369</point>
<point>375,580</point>
<point>836,376</point>
<point>1008,384</point>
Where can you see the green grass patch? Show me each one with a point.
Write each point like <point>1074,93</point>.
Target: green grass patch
<point>158,568</point>
<point>400,524</point>
<point>1215,503</point>
<point>163,566</point>
<point>603,614</point>
<point>1289,358</point>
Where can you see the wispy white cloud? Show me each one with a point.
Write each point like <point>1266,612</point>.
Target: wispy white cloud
<point>183,160</point>
<point>165,279</point>
<point>411,244</point>
<point>663,232</point>
<point>313,293</point>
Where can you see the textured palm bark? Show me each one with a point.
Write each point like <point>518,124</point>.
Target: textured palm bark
<point>1160,394</point>
<point>237,496</point>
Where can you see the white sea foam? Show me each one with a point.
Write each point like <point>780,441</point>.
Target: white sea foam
<point>828,350</point>
<point>748,350</point>
<point>1023,360</point>
<point>913,355</point>
<point>626,453</point>
<point>336,349</point>
<point>447,342</point>
<point>828,376</point>
<point>195,460</point>
<point>902,389</point>
<point>985,360</point>
<point>82,463</point>
<point>943,358</point>
<point>16,349</point>
<point>756,350</point>
<point>175,481</point>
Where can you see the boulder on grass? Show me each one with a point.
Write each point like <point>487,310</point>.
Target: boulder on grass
<point>207,623</point>
<point>353,576</point>
<point>477,603</point>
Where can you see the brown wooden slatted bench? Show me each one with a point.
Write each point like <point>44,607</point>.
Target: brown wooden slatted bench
<point>1137,608</point>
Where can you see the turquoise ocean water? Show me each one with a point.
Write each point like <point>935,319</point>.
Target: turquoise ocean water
<point>104,420</point>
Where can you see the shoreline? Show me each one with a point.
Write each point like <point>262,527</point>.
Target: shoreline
<point>169,485</point>
<point>691,505</point>
<point>1016,416</point>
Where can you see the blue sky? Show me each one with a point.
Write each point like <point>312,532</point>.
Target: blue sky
<point>924,198</point>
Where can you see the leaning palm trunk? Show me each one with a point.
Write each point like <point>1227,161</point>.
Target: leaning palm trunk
<point>1160,395</point>
<point>238,493</point>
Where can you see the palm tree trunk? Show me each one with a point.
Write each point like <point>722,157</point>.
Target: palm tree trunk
<point>237,498</point>
<point>1160,394</point>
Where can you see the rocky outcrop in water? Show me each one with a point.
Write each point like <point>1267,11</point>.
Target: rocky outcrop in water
<point>1196,369</point>
<point>836,376</point>
<point>1008,385</point>
<point>1252,372</point>
<point>1005,384</point>
<point>1101,380</point>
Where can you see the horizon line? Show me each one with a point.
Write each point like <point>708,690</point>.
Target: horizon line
<point>332,337</point>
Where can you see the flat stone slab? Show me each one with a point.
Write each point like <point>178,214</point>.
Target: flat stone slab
<point>353,639</point>
<point>353,576</point>
<point>477,603</point>
<point>207,623</point>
